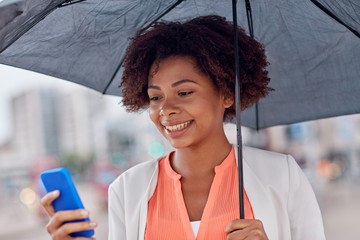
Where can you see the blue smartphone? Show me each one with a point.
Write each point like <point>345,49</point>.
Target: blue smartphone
<point>60,179</point>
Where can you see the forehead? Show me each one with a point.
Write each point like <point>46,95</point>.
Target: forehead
<point>174,68</point>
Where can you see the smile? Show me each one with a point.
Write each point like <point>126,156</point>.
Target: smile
<point>177,127</point>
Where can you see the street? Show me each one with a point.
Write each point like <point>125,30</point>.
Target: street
<point>340,205</point>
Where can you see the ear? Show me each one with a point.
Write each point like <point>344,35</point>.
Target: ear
<point>228,102</point>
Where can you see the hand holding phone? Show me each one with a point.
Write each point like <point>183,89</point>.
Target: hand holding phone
<point>60,179</point>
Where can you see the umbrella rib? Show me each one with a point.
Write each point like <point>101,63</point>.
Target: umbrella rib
<point>69,2</point>
<point>251,31</point>
<point>163,14</point>
<point>324,9</point>
<point>146,27</point>
<point>249,18</point>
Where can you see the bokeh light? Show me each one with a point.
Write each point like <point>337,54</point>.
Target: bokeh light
<point>156,150</point>
<point>28,197</point>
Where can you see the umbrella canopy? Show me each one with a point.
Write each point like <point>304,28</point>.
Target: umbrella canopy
<point>313,47</point>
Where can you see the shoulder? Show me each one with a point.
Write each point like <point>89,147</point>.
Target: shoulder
<point>266,164</point>
<point>255,156</point>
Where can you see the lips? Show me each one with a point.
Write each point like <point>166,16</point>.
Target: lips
<point>177,127</point>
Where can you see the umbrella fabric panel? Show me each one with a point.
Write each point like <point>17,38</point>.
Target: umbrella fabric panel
<point>347,11</point>
<point>83,43</point>
<point>313,69</point>
<point>15,13</point>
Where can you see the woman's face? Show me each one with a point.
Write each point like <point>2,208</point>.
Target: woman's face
<point>184,104</point>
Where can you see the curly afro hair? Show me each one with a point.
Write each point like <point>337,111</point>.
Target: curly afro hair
<point>209,41</point>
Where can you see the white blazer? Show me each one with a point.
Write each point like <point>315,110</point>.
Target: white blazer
<point>279,194</point>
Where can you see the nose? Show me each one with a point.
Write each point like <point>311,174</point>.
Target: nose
<point>169,107</point>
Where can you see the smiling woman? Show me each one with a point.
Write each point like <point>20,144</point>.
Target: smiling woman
<point>184,74</point>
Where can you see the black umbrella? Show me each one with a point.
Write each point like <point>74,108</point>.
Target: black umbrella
<point>313,47</point>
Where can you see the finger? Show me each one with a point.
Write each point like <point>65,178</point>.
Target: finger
<point>238,235</point>
<point>64,216</point>
<point>247,229</point>
<point>47,200</point>
<point>253,234</point>
<point>68,228</point>
<point>237,224</point>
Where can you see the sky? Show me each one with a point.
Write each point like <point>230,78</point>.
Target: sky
<point>13,81</point>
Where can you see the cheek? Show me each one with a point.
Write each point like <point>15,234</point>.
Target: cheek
<point>153,114</point>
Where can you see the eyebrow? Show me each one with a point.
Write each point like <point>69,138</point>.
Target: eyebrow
<point>177,83</point>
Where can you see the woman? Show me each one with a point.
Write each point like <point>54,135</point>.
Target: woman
<point>184,74</point>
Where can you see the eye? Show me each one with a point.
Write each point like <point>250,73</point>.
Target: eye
<point>155,98</point>
<point>185,93</point>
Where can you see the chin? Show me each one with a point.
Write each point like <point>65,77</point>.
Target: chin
<point>178,144</point>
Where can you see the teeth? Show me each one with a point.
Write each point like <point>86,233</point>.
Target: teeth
<point>177,127</point>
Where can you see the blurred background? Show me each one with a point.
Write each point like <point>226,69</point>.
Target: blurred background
<point>47,122</point>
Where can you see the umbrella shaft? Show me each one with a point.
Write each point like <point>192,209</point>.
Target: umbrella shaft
<point>238,113</point>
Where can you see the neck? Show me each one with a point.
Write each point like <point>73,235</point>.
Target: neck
<point>201,160</point>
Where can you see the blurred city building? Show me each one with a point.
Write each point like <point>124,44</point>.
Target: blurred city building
<point>74,129</point>
<point>46,122</point>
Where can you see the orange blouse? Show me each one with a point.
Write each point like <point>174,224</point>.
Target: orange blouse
<point>167,215</point>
